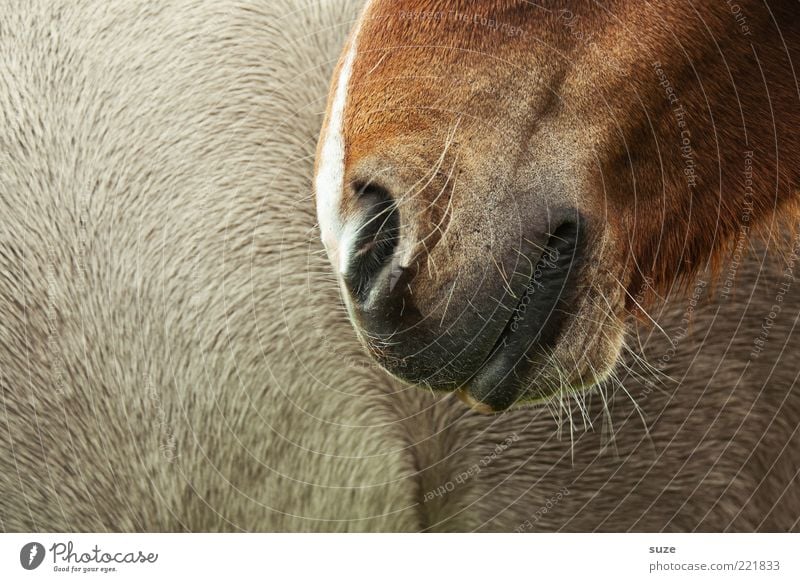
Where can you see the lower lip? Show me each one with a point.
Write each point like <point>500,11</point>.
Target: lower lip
<point>497,384</point>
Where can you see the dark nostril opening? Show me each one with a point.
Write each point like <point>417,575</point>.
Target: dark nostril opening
<point>376,240</point>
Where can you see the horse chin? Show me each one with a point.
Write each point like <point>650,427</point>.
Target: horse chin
<point>565,339</point>
<point>583,351</point>
<point>579,363</point>
<point>520,372</point>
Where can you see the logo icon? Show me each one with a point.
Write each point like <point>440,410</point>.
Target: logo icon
<point>31,555</point>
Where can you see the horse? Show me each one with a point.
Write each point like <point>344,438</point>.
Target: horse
<point>175,354</point>
<point>507,189</point>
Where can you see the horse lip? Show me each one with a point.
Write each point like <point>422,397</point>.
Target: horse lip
<point>496,384</point>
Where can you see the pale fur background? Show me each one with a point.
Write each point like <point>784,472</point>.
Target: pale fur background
<point>174,354</point>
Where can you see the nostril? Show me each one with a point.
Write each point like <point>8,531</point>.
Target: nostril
<point>375,241</point>
<point>564,243</point>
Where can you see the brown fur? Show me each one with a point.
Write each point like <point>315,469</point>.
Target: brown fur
<point>572,109</point>
<point>579,61</point>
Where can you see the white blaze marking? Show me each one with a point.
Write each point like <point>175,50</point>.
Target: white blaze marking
<point>329,181</point>
<point>347,242</point>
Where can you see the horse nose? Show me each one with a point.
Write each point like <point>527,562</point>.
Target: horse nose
<point>374,242</point>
